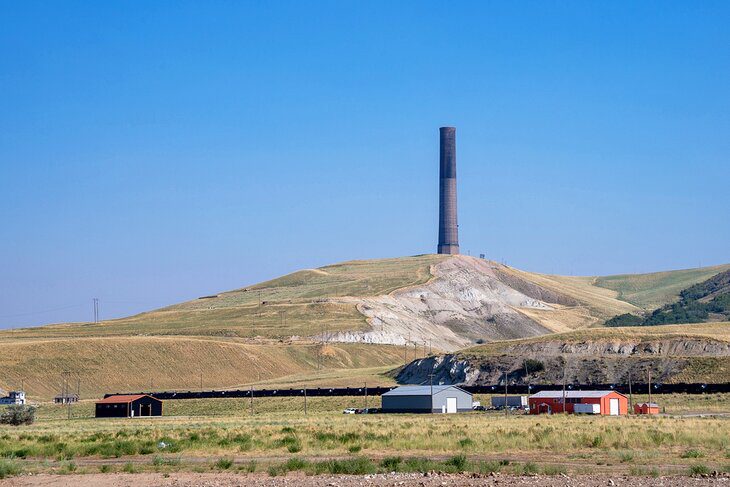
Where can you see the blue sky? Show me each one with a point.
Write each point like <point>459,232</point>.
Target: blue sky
<point>153,152</point>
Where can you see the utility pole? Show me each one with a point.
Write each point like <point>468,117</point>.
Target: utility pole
<point>506,410</point>
<point>305,400</point>
<point>251,396</point>
<point>565,408</point>
<point>649,385</point>
<point>631,397</point>
<point>405,353</point>
<point>430,378</point>
<point>366,395</point>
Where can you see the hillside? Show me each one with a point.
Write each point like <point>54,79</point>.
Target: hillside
<point>371,314</point>
<point>651,291</point>
<point>673,353</point>
<point>108,364</point>
<point>703,302</point>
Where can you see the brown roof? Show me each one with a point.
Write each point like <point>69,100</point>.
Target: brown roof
<point>123,398</point>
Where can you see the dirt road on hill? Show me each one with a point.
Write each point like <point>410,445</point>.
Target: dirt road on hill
<point>379,480</point>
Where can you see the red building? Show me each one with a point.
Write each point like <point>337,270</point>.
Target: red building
<point>606,403</point>
<point>646,408</point>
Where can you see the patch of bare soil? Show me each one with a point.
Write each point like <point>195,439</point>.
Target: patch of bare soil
<point>182,479</point>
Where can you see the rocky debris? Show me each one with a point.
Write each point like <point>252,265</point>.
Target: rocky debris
<point>599,361</point>
<point>466,300</point>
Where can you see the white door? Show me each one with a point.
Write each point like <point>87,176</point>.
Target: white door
<point>613,407</point>
<point>450,404</point>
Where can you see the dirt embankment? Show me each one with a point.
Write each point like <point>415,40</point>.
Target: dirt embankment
<point>181,479</point>
<point>467,300</point>
<point>669,360</point>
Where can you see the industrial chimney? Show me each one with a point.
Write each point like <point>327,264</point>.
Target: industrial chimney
<point>448,225</point>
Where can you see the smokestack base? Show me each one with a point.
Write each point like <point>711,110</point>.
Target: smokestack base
<point>448,249</point>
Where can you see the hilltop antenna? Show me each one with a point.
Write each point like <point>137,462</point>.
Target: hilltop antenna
<point>96,309</point>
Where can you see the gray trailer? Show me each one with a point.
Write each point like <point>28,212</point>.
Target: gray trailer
<point>519,402</point>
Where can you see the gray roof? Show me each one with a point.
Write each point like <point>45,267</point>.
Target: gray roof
<point>572,394</point>
<point>420,390</point>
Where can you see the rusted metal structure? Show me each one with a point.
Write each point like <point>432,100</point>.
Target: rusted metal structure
<point>448,224</point>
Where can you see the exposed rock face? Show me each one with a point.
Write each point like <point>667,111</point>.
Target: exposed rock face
<point>583,362</point>
<point>465,301</point>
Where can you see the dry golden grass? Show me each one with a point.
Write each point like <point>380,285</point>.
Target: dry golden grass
<point>175,363</point>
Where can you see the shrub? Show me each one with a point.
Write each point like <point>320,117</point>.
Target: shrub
<point>105,468</point>
<point>8,468</point>
<point>250,467</point>
<point>294,464</point>
<point>534,365</point>
<point>488,467</point>
<point>275,470</point>
<point>626,457</point>
<point>224,463</point>
<point>692,454</point>
<point>70,467</point>
<point>129,468</point>
<point>626,319</point>
<point>349,437</point>
<point>17,415</point>
<point>553,470</point>
<point>419,465</point>
<point>529,468</point>
<point>465,442</point>
<point>699,469</point>
<point>391,463</point>
<point>355,466</point>
<point>458,462</point>
<point>354,449</point>
<point>294,448</point>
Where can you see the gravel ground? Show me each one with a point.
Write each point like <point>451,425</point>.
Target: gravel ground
<point>394,480</point>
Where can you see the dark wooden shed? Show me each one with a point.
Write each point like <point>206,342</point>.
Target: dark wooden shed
<point>128,406</point>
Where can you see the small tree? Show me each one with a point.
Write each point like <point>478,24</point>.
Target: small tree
<point>17,415</point>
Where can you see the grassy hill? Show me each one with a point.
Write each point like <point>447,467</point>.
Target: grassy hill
<point>299,304</point>
<point>271,332</point>
<point>108,364</point>
<point>650,291</point>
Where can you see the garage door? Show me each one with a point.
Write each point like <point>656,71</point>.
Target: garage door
<point>450,404</point>
<point>613,407</point>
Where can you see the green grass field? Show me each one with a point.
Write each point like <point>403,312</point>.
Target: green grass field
<point>651,291</point>
<point>223,434</point>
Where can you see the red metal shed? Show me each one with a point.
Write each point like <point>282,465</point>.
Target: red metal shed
<point>606,403</point>
<point>646,408</point>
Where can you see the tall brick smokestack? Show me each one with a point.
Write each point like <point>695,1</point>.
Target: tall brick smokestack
<point>448,225</point>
